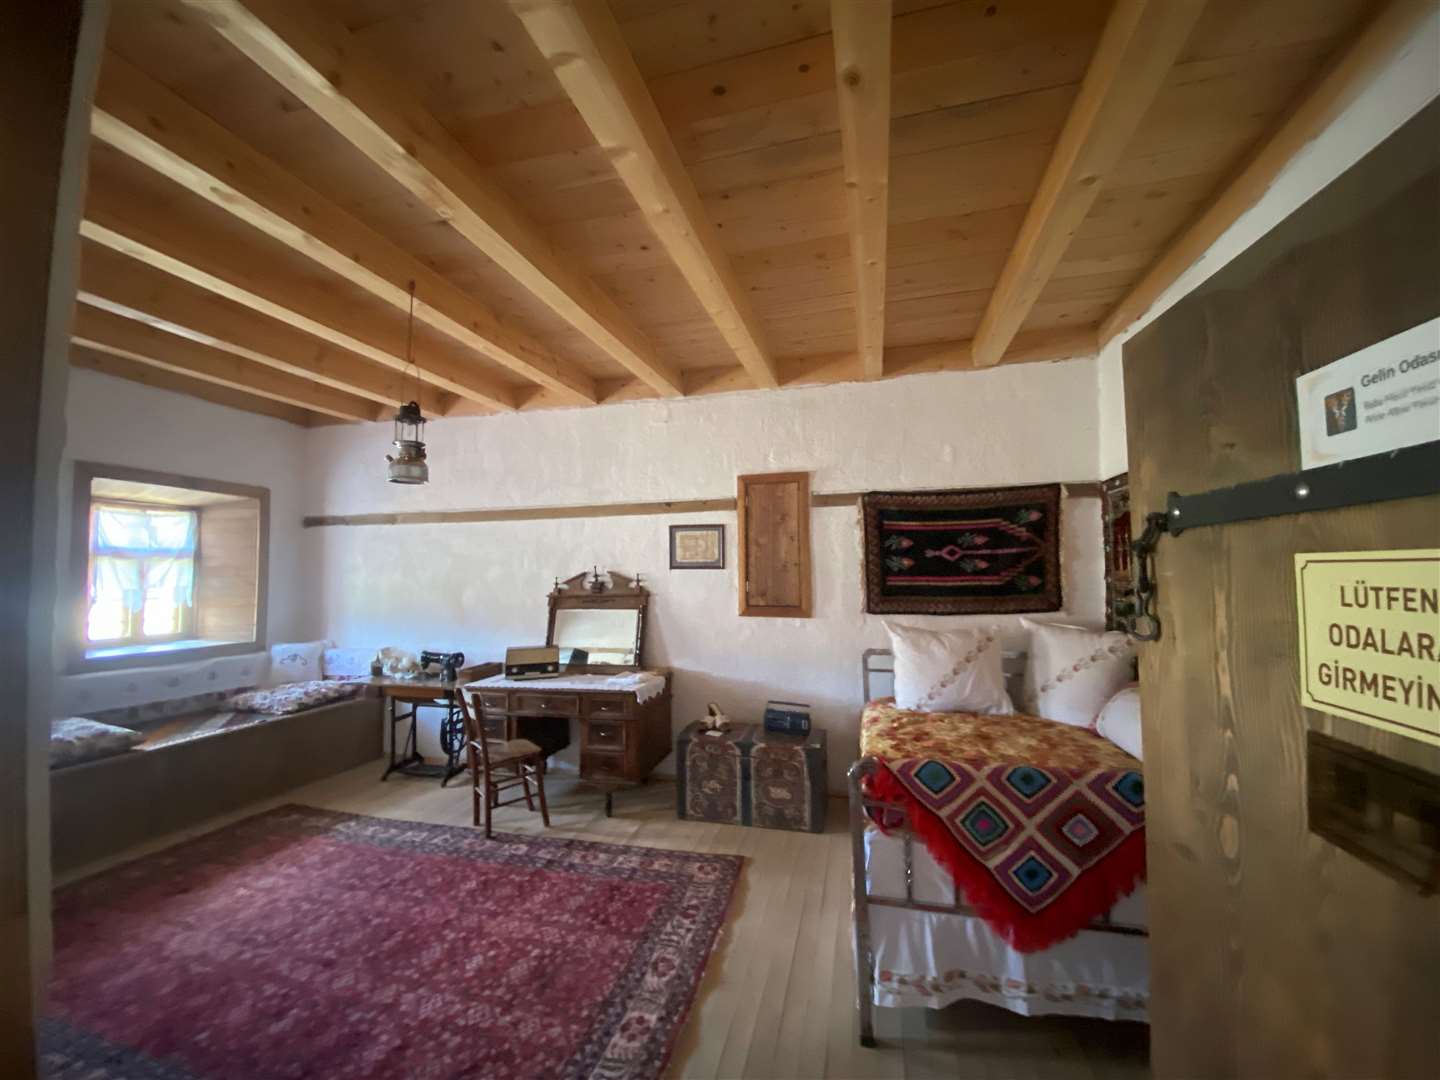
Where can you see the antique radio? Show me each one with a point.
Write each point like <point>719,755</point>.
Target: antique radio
<point>787,718</point>
<point>532,662</point>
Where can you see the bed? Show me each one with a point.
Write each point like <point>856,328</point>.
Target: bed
<point>918,941</point>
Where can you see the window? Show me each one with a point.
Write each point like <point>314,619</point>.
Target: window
<point>142,574</point>
<point>167,568</point>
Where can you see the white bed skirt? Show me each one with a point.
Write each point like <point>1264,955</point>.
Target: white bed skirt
<point>933,959</point>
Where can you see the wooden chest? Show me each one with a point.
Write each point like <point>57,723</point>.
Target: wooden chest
<point>748,776</point>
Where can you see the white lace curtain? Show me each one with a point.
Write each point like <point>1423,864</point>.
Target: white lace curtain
<point>142,576</point>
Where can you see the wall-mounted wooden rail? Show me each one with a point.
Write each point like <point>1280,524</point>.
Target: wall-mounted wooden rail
<point>818,501</point>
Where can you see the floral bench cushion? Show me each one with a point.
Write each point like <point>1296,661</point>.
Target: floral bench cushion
<point>77,738</point>
<point>293,697</point>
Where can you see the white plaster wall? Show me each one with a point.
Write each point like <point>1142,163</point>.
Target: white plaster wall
<point>1110,392</point>
<point>117,422</point>
<point>1406,85</point>
<point>482,587</point>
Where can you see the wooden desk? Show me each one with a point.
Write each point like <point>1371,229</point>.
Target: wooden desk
<point>621,737</point>
<point>435,693</point>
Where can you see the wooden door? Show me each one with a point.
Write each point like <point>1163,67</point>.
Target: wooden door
<point>1274,953</point>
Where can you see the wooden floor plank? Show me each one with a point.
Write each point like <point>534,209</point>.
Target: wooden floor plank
<point>778,996</point>
<point>765,1003</point>
<point>795,980</point>
<point>832,982</point>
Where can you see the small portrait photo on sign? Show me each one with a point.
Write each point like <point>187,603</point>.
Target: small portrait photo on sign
<point>697,547</point>
<point>1340,411</point>
<point>1383,397</point>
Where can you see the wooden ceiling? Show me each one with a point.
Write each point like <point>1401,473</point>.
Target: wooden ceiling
<point>601,202</point>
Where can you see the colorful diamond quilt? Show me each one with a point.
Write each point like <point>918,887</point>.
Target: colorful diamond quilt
<point>1042,824</point>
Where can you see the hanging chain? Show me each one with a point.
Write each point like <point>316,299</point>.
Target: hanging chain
<point>1145,625</point>
<point>410,344</point>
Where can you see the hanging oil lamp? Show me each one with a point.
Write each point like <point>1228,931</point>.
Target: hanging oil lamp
<point>408,465</point>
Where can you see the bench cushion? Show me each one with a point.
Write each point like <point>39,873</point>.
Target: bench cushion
<point>77,738</point>
<point>293,697</point>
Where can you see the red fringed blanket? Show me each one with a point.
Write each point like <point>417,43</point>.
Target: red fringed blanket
<point>1041,824</point>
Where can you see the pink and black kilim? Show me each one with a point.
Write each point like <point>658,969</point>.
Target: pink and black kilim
<point>962,552</point>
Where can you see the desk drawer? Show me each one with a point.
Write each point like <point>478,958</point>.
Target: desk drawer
<point>494,700</point>
<point>607,706</point>
<point>595,765</point>
<point>604,735</point>
<point>545,704</point>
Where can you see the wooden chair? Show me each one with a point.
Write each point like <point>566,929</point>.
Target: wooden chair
<point>497,765</point>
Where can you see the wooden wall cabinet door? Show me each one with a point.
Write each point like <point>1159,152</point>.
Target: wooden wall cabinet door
<point>774,510</point>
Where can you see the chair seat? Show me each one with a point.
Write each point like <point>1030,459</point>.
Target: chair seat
<point>509,749</point>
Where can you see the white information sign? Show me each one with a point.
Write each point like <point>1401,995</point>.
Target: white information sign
<point>1382,398</point>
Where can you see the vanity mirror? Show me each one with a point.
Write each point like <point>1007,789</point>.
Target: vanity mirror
<point>602,615</point>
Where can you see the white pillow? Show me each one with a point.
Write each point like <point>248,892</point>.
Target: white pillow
<point>1120,721</point>
<point>948,670</point>
<point>299,661</point>
<point>346,663</point>
<point>1072,672</point>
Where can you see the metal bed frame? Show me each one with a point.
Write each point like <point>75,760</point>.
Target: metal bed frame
<point>861,805</point>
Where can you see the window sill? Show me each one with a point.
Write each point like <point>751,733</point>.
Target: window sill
<point>121,657</point>
<point>158,647</point>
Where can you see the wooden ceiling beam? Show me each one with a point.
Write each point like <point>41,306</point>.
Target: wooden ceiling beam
<point>189,259</point>
<point>861,33</point>
<point>324,66</point>
<point>120,285</point>
<point>585,48</point>
<point>104,331</point>
<point>121,367</point>
<point>1033,346</point>
<point>1354,70</point>
<point>1140,43</point>
<point>147,122</point>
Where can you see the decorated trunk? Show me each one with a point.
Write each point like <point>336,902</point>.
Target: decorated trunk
<point>748,776</point>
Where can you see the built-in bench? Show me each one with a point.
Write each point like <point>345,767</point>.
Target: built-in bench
<point>194,766</point>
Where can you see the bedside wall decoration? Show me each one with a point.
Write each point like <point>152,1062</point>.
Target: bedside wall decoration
<point>962,552</point>
<point>697,547</point>
<point>1119,579</point>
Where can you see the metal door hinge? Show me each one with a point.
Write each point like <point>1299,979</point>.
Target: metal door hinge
<point>1400,474</point>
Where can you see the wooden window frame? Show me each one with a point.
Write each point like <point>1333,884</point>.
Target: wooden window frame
<point>76,661</point>
<point>802,610</point>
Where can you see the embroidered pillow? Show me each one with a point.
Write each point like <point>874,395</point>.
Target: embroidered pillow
<point>298,661</point>
<point>1073,672</point>
<point>1120,721</point>
<point>76,739</point>
<point>948,670</point>
<point>347,663</point>
<point>293,697</point>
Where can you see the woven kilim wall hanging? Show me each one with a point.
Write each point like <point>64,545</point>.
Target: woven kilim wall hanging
<point>962,552</point>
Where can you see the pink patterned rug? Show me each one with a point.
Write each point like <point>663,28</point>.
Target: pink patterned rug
<point>305,943</point>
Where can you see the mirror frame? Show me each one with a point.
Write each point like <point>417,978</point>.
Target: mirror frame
<point>602,591</point>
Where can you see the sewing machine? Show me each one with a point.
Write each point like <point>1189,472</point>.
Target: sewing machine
<point>448,663</point>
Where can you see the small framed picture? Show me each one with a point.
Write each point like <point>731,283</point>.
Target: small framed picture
<point>697,547</point>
